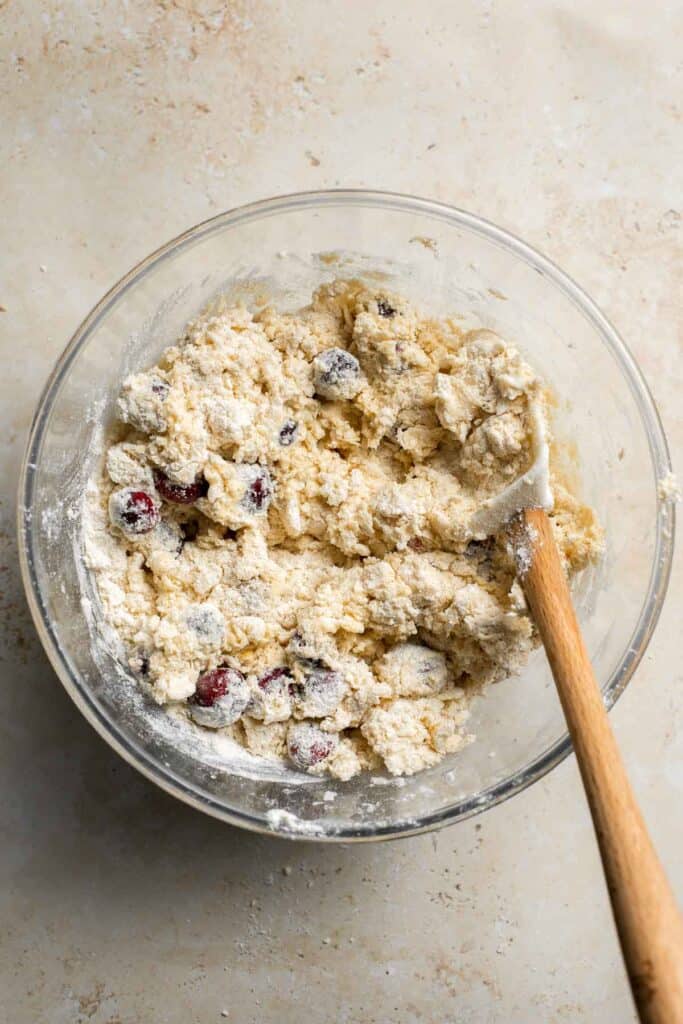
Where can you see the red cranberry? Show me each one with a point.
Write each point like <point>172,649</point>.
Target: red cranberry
<point>220,698</point>
<point>308,745</point>
<point>273,695</point>
<point>210,687</point>
<point>133,511</point>
<point>207,623</point>
<point>259,490</point>
<point>288,432</point>
<point>336,374</point>
<point>320,692</point>
<point>180,494</point>
<point>275,678</point>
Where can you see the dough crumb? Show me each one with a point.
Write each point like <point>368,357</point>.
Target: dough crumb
<point>668,488</point>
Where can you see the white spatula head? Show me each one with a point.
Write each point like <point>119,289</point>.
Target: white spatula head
<point>531,490</point>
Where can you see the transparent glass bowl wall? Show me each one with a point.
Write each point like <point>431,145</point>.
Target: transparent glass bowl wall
<point>446,261</point>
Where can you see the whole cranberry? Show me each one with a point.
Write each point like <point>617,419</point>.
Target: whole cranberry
<point>308,745</point>
<point>180,494</point>
<point>220,698</point>
<point>258,492</point>
<point>133,511</point>
<point>207,623</point>
<point>320,691</point>
<point>336,374</point>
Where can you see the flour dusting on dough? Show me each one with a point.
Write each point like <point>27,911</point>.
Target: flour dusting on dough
<point>283,534</point>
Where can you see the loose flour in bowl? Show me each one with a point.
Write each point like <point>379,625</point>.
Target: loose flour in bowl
<point>286,533</point>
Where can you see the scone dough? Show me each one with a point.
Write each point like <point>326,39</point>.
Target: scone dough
<point>287,502</point>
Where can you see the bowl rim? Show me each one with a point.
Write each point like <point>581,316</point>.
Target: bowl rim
<point>665,512</point>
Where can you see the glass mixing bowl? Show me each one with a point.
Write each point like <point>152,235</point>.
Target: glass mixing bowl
<point>447,261</point>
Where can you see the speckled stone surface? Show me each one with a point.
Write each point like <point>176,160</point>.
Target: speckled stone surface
<point>126,122</point>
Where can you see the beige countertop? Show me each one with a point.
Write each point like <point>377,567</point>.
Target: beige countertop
<point>124,123</point>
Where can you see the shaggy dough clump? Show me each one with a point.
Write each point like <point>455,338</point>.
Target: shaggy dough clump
<point>282,532</point>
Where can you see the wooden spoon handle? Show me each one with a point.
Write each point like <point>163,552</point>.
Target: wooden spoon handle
<point>647,918</point>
